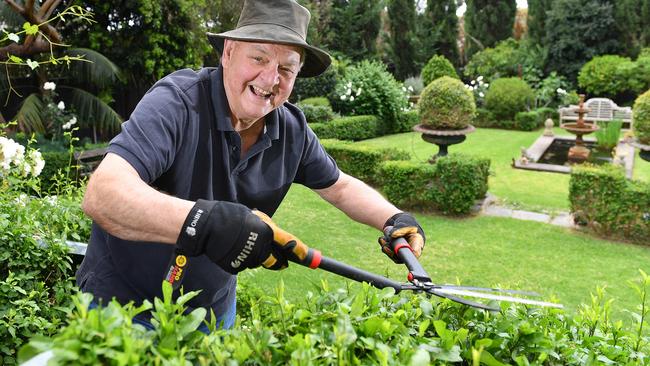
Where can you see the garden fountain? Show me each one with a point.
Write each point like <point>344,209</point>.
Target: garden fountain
<point>579,153</point>
<point>558,154</point>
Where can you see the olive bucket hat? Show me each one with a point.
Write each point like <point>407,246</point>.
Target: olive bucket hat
<point>276,21</point>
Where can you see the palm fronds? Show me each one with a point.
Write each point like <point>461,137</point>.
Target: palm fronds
<point>100,71</point>
<point>30,115</point>
<point>93,112</point>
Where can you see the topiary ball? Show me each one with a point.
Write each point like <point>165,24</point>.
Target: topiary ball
<point>641,118</point>
<point>446,104</point>
<point>508,96</point>
<point>436,67</point>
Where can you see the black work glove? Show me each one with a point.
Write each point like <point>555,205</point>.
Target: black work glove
<point>229,234</point>
<point>404,226</point>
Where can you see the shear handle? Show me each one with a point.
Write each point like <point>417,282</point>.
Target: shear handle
<point>405,254</point>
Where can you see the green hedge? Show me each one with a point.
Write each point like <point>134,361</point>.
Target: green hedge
<point>451,185</point>
<point>360,161</point>
<point>56,161</point>
<point>407,120</point>
<point>356,325</point>
<point>352,128</point>
<point>611,205</point>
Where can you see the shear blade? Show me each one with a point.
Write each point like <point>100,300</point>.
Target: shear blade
<point>463,301</point>
<point>480,295</point>
<point>486,289</point>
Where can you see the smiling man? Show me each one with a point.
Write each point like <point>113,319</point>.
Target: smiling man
<point>203,162</point>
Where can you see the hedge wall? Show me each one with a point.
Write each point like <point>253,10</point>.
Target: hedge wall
<point>348,128</point>
<point>611,205</point>
<point>360,161</point>
<point>451,185</point>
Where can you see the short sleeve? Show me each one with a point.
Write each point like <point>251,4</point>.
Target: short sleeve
<point>151,137</point>
<point>317,169</point>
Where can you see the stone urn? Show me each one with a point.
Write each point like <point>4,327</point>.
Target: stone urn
<point>443,138</point>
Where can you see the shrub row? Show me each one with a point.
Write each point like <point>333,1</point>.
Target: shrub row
<point>355,128</point>
<point>358,325</point>
<point>525,121</point>
<point>352,128</point>
<point>610,204</point>
<point>360,161</point>
<point>451,185</point>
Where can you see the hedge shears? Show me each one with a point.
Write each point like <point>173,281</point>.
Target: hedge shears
<point>420,281</point>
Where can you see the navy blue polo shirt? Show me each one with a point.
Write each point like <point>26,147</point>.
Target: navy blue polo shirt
<point>181,141</point>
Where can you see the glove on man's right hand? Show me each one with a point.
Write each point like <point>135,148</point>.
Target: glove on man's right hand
<point>229,234</point>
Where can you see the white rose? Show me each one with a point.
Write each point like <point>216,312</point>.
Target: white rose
<point>49,86</point>
<point>61,105</point>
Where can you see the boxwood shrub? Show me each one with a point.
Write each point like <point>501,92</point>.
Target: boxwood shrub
<point>528,121</point>
<point>451,185</point>
<point>508,96</point>
<point>436,67</point>
<point>352,128</point>
<point>642,118</point>
<point>610,204</point>
<point>317,113</point>
<point>360,161</point>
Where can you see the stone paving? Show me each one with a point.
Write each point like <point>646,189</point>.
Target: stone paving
<point>490,207</point>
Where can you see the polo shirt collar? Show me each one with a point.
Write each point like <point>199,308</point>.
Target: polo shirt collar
<point>222,110</point>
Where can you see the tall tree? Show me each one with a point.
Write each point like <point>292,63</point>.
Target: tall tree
<point>633,21</point>
<point>402,15</point>
<point>537,19</point>
<point>581,30</point>
<point>438,30</point>
<point>487,22</point>
<point>147,39</point>
<point>354,28</point>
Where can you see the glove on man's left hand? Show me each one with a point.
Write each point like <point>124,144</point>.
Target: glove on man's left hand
<point>403,225</point>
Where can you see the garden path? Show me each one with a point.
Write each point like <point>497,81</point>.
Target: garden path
<point>490,207</point>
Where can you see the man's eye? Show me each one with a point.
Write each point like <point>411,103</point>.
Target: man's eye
<point>287,70</point>
<point>258,59</point>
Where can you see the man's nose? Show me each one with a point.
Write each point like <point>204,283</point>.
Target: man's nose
<point>270,75</point>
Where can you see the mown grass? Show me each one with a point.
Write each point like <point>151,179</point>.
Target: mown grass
<point>530,190</point>
<point>482,251</point>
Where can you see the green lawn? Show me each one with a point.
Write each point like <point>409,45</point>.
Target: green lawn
<point>535,191</point>
<point>481,251</point>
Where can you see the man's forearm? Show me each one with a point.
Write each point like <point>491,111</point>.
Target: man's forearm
<point>126,207</point>
<point>359,201</point>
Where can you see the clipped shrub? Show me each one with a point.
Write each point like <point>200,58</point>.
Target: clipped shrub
<point>451,185</point>
<point>528,121</point>
<point>360,161</point>
<point>610,204</point>
<point>446,104</point>
<point>368,89</point>
<point>436,67</point>
<point>641,117</point>
<point>408,119</point>
<point>315,101</point>
<point>609,76</point>
<point>348,128</point>
<point>484,118</point>
<point>507,96</point>
<point>546,113</point>
<point>317,113</point>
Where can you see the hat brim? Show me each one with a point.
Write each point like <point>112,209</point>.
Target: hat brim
<point>316,60</point>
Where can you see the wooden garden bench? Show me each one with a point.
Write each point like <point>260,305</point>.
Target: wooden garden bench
<point>600,110</point>
<point>88,160</point>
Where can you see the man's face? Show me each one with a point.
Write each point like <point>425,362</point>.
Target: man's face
<point>258,77</point>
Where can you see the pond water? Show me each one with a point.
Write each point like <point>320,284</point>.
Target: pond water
<point>557,153</point>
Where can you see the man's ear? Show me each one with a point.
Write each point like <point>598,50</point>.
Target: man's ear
<point>226,55</point>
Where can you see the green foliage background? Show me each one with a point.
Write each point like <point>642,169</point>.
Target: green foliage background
<point>487,22</point>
